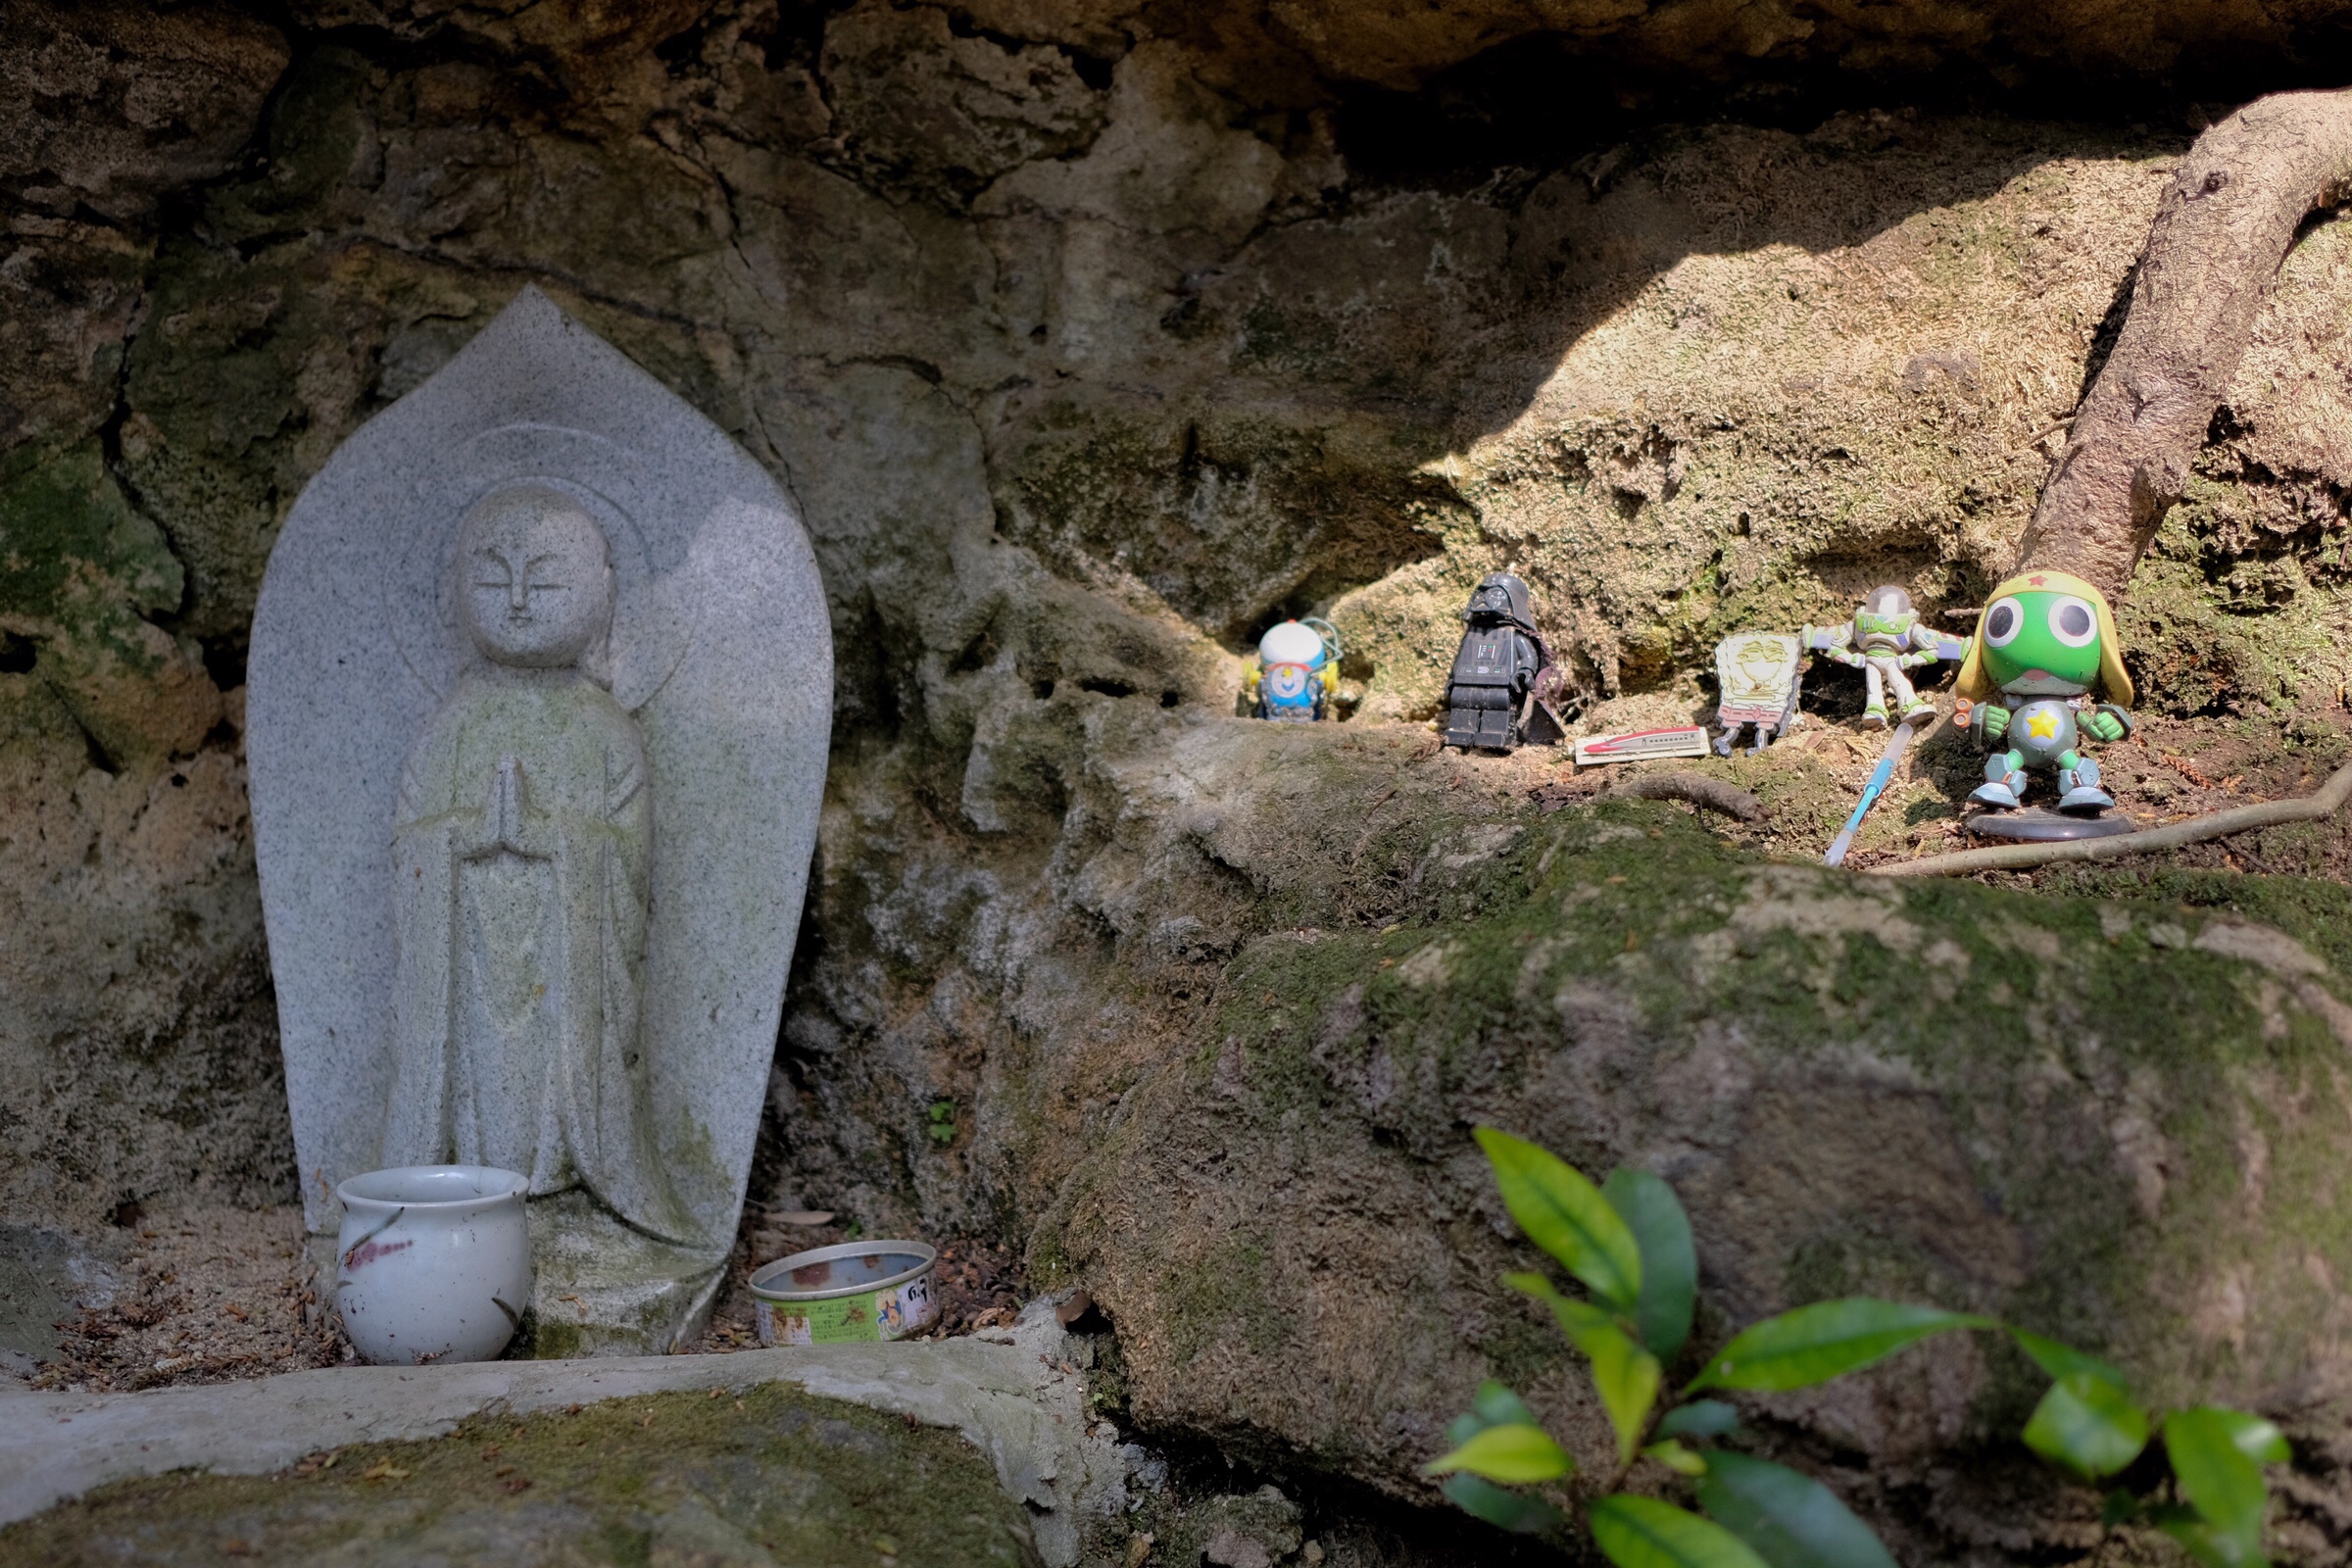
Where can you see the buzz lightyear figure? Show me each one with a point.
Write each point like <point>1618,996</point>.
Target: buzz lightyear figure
<point>1298,669</point>
<point>1885,642</point>
<point>2047,640</point>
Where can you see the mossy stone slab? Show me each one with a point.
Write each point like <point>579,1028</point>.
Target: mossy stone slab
<point>771,1476</point>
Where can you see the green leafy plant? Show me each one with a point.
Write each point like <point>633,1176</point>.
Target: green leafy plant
<point>1627,1243</point>
<point>940,1122</point>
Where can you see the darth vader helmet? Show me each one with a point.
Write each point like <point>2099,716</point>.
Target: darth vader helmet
<point>1501,596</point>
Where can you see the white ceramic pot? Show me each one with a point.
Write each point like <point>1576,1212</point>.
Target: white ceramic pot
<point>433,1263</point>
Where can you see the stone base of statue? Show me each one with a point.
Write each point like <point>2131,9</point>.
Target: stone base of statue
<point>603,1289</point>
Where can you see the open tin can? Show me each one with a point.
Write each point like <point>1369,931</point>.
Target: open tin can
<point>855,1292</point>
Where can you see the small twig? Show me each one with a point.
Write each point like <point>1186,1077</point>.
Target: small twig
<point>2325,802</point>
<point>2043,434</point>
<point>1710,794</point>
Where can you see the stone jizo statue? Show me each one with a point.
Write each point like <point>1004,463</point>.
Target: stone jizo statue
<point>540,695</point>
<point>522,843</point>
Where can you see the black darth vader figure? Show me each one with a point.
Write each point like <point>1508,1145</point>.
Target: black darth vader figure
<point>1503,672</point>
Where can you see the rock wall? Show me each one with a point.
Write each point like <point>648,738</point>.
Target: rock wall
<point>1090,337</point>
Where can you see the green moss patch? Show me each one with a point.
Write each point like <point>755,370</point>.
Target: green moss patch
<point>767,1476</point>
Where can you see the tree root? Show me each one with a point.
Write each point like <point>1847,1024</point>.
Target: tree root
<point>2326,801</point>
<point>1711,795</point>
<point>2222,225</point>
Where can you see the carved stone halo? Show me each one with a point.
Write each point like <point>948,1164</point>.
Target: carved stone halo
<point>420,603</point>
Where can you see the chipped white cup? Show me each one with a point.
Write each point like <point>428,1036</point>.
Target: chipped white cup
<point>433,1262</point>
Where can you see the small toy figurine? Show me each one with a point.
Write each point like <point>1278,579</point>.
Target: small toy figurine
<point>1884,640</point>
<point>1758,675</point>
<point>1499,693</point>
<point>1297,671</point>
<point>2042,645</point>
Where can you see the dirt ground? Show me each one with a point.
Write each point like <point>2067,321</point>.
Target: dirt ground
<point>203,1294</point>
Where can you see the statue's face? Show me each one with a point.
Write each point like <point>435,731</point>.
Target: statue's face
<point>536,579</point>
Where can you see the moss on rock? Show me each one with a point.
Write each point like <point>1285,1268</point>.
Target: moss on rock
<point>2115,1123</point>
<point>769,1476</point>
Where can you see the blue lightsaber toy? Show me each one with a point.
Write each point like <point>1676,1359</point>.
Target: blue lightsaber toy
<point>1871,792</point>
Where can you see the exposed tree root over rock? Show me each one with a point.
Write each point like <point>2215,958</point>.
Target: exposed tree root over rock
<point>2222,228</point>
<point>1709,793</point>
<point>2326,801</point>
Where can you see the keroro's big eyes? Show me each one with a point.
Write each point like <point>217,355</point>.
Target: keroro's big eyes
<point>2004,621</point>
<point>2072,623</point>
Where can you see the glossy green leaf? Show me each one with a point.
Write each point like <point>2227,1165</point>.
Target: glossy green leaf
<point>1565,1214</point>
<point>1827,1339</point>
<point>1700,1418</point>
<point>1497,1406</point>
<point>1674,1456</point>
<point>1624,1374</point>
<point>1791,1520</point>
<point>1508,1510</point>
<point>2063,1360</point>
<point>1669,1261</point>
<point>2258,1440</point>
<point>2220,1479</point>
<point>1493,1406</point>
<point>2088,1425</point>
<point>1644,1533</point>
<point>1514,1455</point>
<point>2208,1545</point>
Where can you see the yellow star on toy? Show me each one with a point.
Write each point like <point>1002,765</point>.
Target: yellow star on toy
<point>2042,726</point>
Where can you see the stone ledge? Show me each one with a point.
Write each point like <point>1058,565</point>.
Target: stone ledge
<point>1010,1400</point>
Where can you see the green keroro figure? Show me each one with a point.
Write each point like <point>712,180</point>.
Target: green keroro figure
<point>2045,641</point>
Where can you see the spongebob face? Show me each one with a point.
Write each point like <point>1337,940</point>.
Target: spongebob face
<point>2041,643</point>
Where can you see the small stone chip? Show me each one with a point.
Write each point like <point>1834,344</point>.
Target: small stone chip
<point>1139,1547</point>
<point>1228,1547</point>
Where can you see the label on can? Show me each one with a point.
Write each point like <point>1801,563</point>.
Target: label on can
<point>862,1319</point>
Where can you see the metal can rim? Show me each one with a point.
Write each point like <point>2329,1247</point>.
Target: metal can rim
<point>924,1250</point>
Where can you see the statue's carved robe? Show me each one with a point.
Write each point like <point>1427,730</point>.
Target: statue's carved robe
<point>522,842</point>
